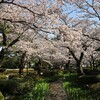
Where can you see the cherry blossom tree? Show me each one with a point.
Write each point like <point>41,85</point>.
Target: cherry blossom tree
<point>34,22</point>
<point>74,41</point>
<point>27,16</point>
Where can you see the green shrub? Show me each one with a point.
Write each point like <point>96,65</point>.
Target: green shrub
<point>23,88</point>
<point>16,86</point>
<point>7,86</point>
<point>71,77</point>
<point>2,70</point>
<point>9,62</point>
<point>1,96</point>
<point>74,93</point>
<point>51,78</point>
<point>89,79</point>
<point>11,76</point>
<point>30,75</point>
<point>95,87</point>
<point>75,89</point>
<point>91,72</point>
<point>98,77</point>
<point>65,71</point>
<point>48,73</point>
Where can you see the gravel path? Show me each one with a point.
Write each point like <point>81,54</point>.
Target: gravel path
<point>57,92</point>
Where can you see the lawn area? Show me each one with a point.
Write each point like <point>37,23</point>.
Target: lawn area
<point>34,87</point>
<point>79,90</point>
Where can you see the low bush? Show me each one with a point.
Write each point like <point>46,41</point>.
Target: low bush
<point>51,78</point>
<point>91,72</point>
<point>11,76</point>
<point>65,71</point>
<point>31,75</point>
<point>76,93</point>
<point>2,70</point>
<point>98,77</point>
<point>23,88</point>
<point>75,89</point>
<point>89,79</point>
<point>1,96</point>
<point>95,87</point>
<point>8,86</point>
<point>16,86</point>
<point>71,77</point>
<point>48,73</point>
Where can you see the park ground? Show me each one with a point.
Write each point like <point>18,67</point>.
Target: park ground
<point>51,85</point>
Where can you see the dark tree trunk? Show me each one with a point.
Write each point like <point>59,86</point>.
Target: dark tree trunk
<point>38,67</point>
<point>80,69</point>
<point>39,70</point>
<point>92,62</point>
<point>27,69</point>
<point>78,61</point>
<point>2,53</point>
<point>4,42</point>
<point>13,42</point>
<point>67,65</point>
<point>22,63</point>
<point>28,66</point>
<point>79,64</point>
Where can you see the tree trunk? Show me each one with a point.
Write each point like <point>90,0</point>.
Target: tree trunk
<point>38,67</point>
<point>22,63</point>
<point>2,53</point>
<point>67,65</point>
<point>39,70</point>
<point>92,62</point>
<point>28,66</point>
<point>27,69</point>
<point>80,69</point>
<point>78,61</point>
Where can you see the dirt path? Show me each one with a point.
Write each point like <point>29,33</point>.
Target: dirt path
<point>57,92</point>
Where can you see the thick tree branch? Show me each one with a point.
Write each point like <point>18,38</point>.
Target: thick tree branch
<point>18,5</point>
<point>81,56</point>
<point>4,38</point>
<point>93,38</point>
<point>73,54</point>
<point>13,42</point>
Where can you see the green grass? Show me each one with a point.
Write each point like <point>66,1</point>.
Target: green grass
<point>1,96</point>
<point>77,92</point>
<point>39,92</point>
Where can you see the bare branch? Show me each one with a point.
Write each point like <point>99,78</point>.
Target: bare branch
<point>92,6</point>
